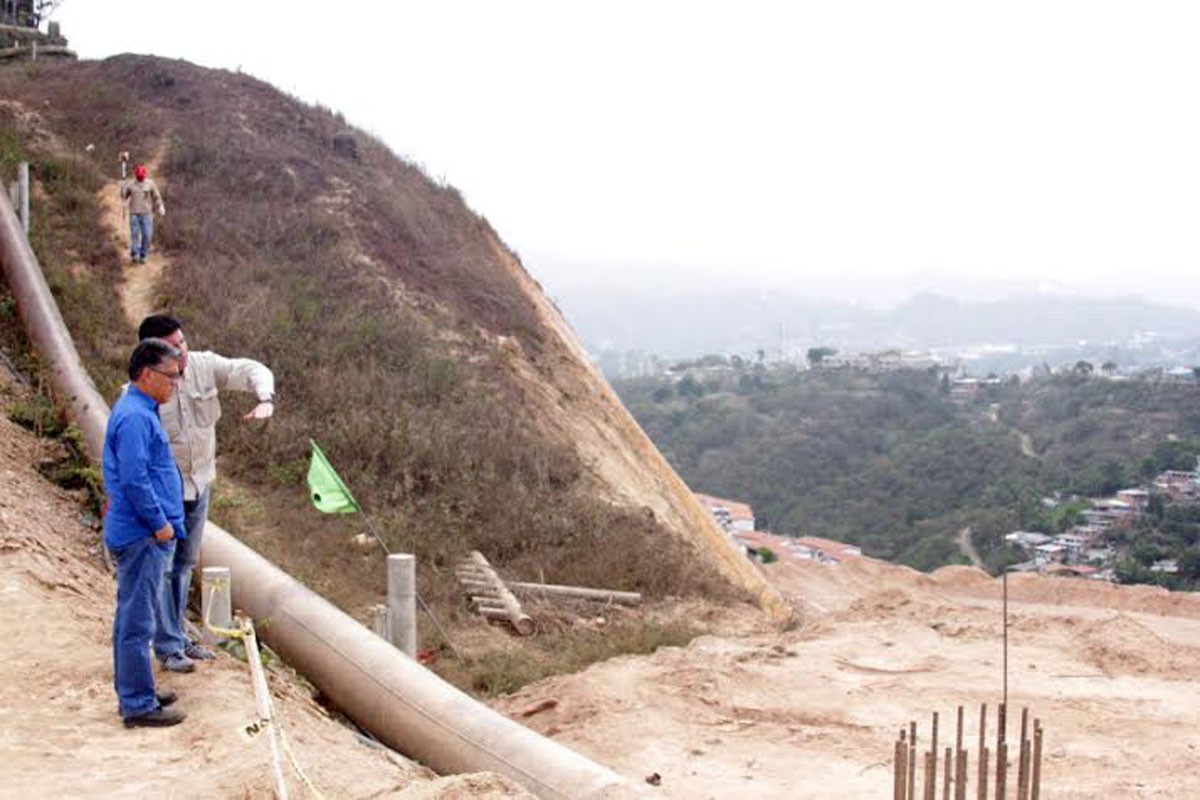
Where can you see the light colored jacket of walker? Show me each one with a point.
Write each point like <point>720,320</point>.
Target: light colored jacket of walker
<point>190,417</point>
<point>142,197</point>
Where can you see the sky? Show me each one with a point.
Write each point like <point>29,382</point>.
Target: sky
<point>845,148</point>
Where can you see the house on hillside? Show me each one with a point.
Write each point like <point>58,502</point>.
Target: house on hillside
<point>1051,553</point>
<point>1138,499</point>
<point>1177,484</point>
<point>824,551</point>
<point>1027,539</point>
<point>729,514</point>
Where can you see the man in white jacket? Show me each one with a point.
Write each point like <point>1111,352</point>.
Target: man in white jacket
<point>190,419</point>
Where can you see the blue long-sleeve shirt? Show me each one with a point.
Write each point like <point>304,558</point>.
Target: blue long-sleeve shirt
<point>145,490</point>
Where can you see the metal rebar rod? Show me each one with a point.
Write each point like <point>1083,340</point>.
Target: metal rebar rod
<point>900,761</point>
<point>912,760</point>
<point>981,792</point>
<point>946,773</point>
<point>930,759</point>
<point>1036,777</point>
<point>958,748</point>
<point>933,749</point>
<point>1023,758</point>
<point>960,788</point>
<point>1001,770</point>
<point>1005,629</point>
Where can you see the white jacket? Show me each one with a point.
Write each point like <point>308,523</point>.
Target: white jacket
<point>190,417</point>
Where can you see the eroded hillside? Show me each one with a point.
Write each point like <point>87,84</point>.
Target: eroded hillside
<point>405,337</point>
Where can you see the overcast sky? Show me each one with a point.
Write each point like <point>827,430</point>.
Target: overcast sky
<point>797,144</point>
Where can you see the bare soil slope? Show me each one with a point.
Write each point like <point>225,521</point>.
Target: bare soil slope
<point>1111,671</point>
<point>60,734</point>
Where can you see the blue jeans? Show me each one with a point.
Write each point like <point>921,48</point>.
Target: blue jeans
<point>171,636</point>
<point>141,231</point>
<point>139,585</point>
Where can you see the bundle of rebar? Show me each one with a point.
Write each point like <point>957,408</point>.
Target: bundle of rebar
<point>955,761</point>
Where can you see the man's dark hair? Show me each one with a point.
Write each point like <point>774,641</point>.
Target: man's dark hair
<point>149,353</point>
<point>158,326</point>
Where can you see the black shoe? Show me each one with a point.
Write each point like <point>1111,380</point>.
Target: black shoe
<point>158,718</point>
<point>167,697</point>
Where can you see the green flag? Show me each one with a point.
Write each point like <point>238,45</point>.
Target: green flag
<point>328,492</point>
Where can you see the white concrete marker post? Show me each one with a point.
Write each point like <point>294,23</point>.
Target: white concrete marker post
<point>216,602</point>
<point>23,183</point>
<point>402,603</point>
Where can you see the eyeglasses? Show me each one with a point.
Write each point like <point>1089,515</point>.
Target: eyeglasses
<point>172,376</point>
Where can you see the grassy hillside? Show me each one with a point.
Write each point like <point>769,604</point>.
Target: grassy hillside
<point>377,297</point>
<point>890,462</point>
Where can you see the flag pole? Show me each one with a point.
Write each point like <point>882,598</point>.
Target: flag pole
<point>349,504</point>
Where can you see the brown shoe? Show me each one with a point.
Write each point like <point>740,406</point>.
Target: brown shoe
<point>166,697</point>
<point>158,718</point>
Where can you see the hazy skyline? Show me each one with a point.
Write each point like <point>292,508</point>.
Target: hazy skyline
<point>858,144</point>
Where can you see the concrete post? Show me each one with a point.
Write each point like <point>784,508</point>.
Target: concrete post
<point>402,602</point>
<point>216,603</point>
<point>23,183</point>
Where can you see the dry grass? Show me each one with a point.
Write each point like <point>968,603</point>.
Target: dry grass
<point>375,296</point>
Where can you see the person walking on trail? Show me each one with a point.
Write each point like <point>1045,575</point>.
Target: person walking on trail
<point>143,522</point>
<point>143,198</point>
<point>190,420</point>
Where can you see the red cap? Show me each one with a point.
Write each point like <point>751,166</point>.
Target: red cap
<point>139,172</point>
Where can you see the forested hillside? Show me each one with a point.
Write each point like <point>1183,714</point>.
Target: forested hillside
<point>891,462</point>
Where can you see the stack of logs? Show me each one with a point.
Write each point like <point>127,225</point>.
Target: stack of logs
<point>493,598</point>
<point>955,763</point>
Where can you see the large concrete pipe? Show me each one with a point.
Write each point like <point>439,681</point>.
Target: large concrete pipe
<point>399,701</point>
<point>73,388</point>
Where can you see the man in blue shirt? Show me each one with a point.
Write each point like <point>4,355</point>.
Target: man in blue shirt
<point>145,514</point>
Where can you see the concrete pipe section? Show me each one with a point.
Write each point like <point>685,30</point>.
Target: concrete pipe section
<point>403,704</point>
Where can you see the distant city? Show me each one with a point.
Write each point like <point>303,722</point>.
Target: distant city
<point>631,335</point>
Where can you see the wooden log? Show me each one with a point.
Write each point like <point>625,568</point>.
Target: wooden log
<point>960,788</point>
<point>581,592</point>
<point>521,622</point>
<point>930,769</point>
<point>899,762</point>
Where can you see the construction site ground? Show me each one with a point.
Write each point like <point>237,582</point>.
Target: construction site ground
<point>752,712</point>
<point>812,713</point>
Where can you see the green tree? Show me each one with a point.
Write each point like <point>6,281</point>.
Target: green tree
<point>689,387</point>
<point>1083,368</point>
<point>1189,565</point>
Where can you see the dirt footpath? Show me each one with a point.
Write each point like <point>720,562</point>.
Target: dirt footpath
<point>60,734</point>
<point>813,713</point>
